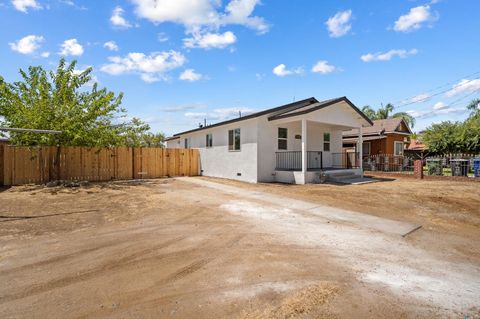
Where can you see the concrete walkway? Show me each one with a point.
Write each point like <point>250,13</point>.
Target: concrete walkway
<point>333,214</point>
<point>371,247</point>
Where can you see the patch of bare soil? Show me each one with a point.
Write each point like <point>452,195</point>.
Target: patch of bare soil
<point>300,303</point>
<point>166,248</point>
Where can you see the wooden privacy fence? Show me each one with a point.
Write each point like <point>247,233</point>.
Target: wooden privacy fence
<point>25,165</point>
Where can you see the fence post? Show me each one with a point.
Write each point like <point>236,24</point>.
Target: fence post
<point>418,169</point>
<point>1,164</point>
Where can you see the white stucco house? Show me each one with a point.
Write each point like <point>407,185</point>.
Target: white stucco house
<point>300,142</point>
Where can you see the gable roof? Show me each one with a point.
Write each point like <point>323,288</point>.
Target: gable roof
<point>380,127</point>
<point>319,106</point>
<point>292,109</point>
<point>415,145</point>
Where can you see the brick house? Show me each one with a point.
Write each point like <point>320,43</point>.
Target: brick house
<point>390,136</point>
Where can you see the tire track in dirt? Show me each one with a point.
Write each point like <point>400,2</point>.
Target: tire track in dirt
<point>106,267</point>
<point>137,298</point>
<point>65,257</point>
<point>198,264</point>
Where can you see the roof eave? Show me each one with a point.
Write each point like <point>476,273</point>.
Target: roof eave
<point>329,103</point>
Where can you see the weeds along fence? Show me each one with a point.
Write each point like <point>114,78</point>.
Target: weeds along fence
<point>25,165</point>
<point>462,165</point>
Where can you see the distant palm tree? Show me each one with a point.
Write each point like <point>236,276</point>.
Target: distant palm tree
<point>474,106</point>
<point>385,113</point>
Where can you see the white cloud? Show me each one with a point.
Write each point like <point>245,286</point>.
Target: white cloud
<point>162,37</point>
<point>201,13</point>
<point>281,70</point>
<point>416,113</point>
<point>450,110</point>
<point>414,19</point>
<point>387,56</point>
<point>339,24</point>
<point>220,114</point>
<point>239,12</point>
<point>152,67</point>
<point>71,47</point>
<point>420,98</point>
<point>190,75</point>
<point>182,107</point>
<point>93,79</point>
<point>259,76</point>
<point>73,4</point>
<point>111,45</point>
<point>27,45</point>
<point>437,109</point>
<point>210,40</point>
<point>323,67</point>
<point>45,54</point>
<point>464,86</point>
<point>151,78</point>
<point>23,5</point>
<point>439,106</point>
<point>117,18</point>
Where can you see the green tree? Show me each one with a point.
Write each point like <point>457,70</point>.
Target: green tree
<point>444,137</point>
<point>63,100</point>
<point>137,135</point>
<point>452,137</point>
<point>385,112</point>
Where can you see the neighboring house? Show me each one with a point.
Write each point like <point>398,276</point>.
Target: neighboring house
<point>388,137</point>
<point>416,145</point>
<point>290,143</point>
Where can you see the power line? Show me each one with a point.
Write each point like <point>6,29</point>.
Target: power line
<point>402,102</point>
<point>436,94</point>
<point>455,102</point>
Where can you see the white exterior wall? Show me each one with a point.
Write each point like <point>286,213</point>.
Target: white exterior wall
<point>174,143</point>
<point>218,161</point>
<point>268,145</point>
<point>315,140</point>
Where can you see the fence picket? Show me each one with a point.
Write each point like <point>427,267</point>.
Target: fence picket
<point>21,165</point>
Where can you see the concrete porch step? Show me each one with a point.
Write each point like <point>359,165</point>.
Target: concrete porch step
<point>357,180</point>
<point>340,173</point>
<point>340,177</point>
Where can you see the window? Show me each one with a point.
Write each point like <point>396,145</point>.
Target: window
<point>398,148</point>
<point>209,140</point>
<point>186,143</point>
<point>326,142</point>
<point>282,138</point>
<point>366,148</point>
<point>234,140</point>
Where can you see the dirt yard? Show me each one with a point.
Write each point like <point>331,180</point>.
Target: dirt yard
<point>181,249</point>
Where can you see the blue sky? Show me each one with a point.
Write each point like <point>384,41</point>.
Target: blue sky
<point>181,61</point>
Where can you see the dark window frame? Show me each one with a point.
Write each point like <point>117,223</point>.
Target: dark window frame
<point>209,140</point>
<point>234,140</point>
<point>281,139</point>
<point>326,141</point>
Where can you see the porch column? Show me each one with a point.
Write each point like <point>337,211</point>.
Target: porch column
<point>360,147</point>
<point>304,149</point>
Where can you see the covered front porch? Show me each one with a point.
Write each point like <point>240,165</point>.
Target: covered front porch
<point>310,151</point>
